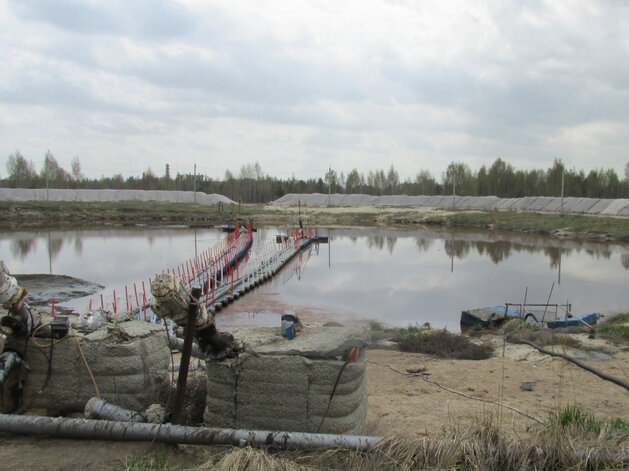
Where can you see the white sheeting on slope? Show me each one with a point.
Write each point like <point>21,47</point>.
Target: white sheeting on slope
<point>611,207</point>
<point>41,194</point>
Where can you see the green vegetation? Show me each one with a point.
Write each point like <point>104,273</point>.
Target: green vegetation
<point>56,213</point>
<point>156,461</point>
<point>614,328</point>
<point>441,343</point>
<point>620,318</point>
<point>252,185</point>
<point>621,331</point>
<point>515,324</point>
<point>588,423</point>
<point>14,214</point>
<point>541,223</point>
<point>376,326</point>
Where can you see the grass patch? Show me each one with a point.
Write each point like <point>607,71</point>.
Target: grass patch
<point>376,326</point>
<point>440,343</point>
<point>543,337</point>
<point>620,333</point>
<point>621,318</point>
<point>148,462</point>
<point>515,324</point>
<point>588,424</point>
<point>614,328</point>
<point>542,223</point>
<point>49,213</point>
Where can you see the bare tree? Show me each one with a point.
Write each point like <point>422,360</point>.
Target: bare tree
<point>76,169</point>
<point>21,171</point>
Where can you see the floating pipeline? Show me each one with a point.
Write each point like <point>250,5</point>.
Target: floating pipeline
<point>216,297</point>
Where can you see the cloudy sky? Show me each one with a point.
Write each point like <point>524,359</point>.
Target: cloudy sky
<point>301,85</point>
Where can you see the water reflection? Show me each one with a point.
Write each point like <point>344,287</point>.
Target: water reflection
<point>457,248</point>
<point>412,283</point>
<point>20,248</point>
<point>78,245</point>
<point>54,247</point>
<point>423,245</point>
<point>398,277</point>
<point>497,247</point>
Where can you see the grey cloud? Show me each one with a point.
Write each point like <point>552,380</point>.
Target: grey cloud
<point>137,18</point>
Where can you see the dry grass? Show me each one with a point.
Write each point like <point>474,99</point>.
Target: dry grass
<point>554,447</point>
<point>440,343</point>
<point>252,459</point>
<point>544,338</point>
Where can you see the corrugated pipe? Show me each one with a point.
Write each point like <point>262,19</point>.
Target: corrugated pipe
<point>59,427</point>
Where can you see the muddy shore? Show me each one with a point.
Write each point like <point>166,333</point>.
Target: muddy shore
<point>28,215</point>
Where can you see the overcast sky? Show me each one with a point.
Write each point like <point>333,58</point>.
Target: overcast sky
<point>301,85</point>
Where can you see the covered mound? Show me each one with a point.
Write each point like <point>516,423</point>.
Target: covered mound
<point>40,194</point>
<point>610,207</point>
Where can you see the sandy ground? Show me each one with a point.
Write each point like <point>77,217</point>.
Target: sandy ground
<point>399,404</point>
<point>518,376</point>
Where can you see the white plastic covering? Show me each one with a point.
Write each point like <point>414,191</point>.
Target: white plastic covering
<point>41,194</point>
<point>611,207</point>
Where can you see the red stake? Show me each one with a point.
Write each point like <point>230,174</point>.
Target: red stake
<point>115,303</point>
<point>137,301</point>
<point>126,295</point>
<point>213,285</point>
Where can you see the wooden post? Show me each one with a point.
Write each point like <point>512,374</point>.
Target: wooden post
<point>185,356</point>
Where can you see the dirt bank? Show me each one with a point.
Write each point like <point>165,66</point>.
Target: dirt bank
<point>43,214</point>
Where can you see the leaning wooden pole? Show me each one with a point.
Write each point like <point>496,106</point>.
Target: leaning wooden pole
<point>182,378</point>
<point>173,301</point>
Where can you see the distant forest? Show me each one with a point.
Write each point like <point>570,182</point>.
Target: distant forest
<point>252,185</point>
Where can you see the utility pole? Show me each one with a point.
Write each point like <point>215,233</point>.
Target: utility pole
<point>454,191</point>
<point>562,180</point>
<point>194,183</point>
<point>329,186</point>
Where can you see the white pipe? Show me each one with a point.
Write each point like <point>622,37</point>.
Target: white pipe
<point>59,427</point>
<point>100,409</point>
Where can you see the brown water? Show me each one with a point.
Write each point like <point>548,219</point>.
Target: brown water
<point>395,277</point>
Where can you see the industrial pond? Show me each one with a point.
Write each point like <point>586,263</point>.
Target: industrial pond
<point>397,278</point>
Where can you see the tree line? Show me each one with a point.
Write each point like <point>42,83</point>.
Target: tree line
<point>252,185</point>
